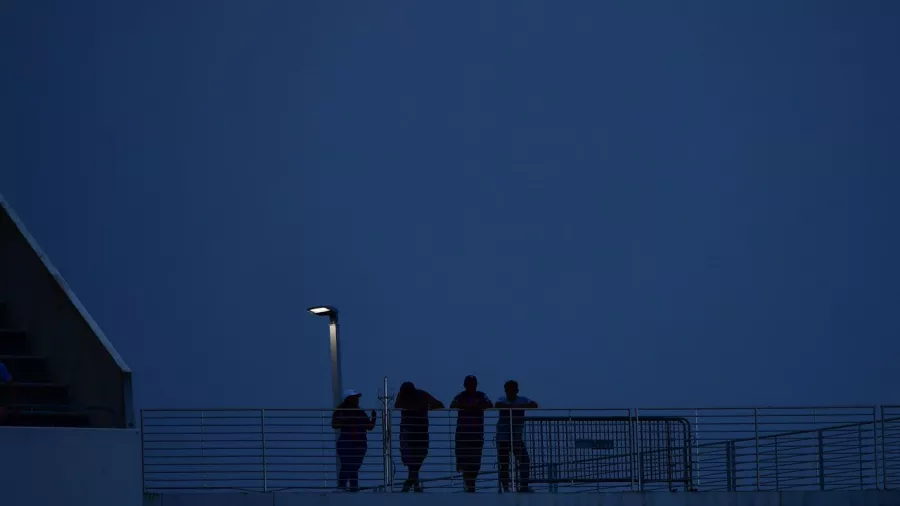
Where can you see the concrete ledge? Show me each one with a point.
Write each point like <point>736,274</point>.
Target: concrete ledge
<point>63,467</point>
<point>849,498</point>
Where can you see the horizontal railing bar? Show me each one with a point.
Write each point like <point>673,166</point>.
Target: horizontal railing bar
<point>778,448</point>
<point>867,408</point>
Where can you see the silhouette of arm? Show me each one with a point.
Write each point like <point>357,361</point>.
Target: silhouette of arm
<point>370,422</point>
<point>484,402</point>
<point>432,402</point>
<point>454,404</point>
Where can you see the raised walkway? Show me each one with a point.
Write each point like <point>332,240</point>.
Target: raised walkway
<point>816,498</point>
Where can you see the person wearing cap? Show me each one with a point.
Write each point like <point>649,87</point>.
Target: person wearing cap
<point>471,404</point>
<point>510,428</point>
<point>414,405</point>
<point>352,442</point>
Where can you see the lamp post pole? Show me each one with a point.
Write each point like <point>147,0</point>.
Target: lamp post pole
<point>337,391</point>
<point>337,388</point>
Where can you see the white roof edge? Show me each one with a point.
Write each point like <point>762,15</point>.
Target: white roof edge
<point>65,287</point>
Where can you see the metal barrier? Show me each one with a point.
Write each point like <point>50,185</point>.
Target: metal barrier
<point>732,449</point>
<point>624,449</point>
<point>889,429</point>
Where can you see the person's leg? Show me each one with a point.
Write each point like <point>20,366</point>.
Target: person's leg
<point>423,454</point>
<point>344,471</point>
<point>503,464</point>
<point>413,475</point>
<point>465,461</point>
<point>474,448</point>
<point>477,450</point>
<point>523,461</point>
<point>406,458</point>
<point>355,465</point>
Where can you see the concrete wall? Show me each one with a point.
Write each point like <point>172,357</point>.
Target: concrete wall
<point>60,329</point>
<point>56,467</point>
<point>852,498</point>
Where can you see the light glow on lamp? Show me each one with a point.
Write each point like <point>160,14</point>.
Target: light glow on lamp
<point>322,310</point>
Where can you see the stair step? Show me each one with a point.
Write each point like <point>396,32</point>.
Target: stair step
<point>14,342</point>
<point>14,416</point>
<point>33,393</point>
<point>26,368</point>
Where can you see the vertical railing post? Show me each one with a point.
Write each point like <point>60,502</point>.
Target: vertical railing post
<point>386,437</point>
<point>756,443</point>
<point>640,448</point>
<point>860,454</point>
<point>265,470</point>
<point>324,447</point>
<point>821,460</point>
<point>511,455</point>
<point>884,470</point>
<point>875,443</point>
<point>202,450</point>
<point>777,469</point>
<point>143,439</point>
<point>696,462</point>
<point>632,450</point>
<point>729,466</point>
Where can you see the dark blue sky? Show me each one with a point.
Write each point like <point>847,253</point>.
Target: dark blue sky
<point>617,203</point>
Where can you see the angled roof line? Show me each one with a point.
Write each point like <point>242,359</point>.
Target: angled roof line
<point>65,286</point>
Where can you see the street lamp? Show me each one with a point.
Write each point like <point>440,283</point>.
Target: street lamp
<point>336,389</point>
<point>332,313</point>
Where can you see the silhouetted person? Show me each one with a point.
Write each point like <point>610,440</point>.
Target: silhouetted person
<point>414,405</point>
<point>470,430</point>
<point>352,442</point>
<point>510,425</point>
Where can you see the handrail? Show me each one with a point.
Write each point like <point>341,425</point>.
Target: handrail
<point>804,431</point>
<point>222,449</point>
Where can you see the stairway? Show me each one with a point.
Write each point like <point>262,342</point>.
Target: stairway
<point>32,399</point>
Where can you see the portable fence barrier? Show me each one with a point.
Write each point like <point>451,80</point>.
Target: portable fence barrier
<point>568,451</point>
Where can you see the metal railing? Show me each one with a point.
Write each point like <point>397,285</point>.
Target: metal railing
<point>570,451</point>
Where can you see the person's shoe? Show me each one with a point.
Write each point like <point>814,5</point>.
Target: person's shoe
<point>418,488</point>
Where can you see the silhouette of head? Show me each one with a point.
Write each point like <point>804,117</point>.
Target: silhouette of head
<point>351,399</point>
<point>511,388</point>
<point>470,383</point>
<point>407,388</point>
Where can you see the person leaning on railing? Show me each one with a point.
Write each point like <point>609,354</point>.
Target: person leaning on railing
<point>471,404</point>
<point>510,426</point>
<point>414,405</point>
<point>352,442</point>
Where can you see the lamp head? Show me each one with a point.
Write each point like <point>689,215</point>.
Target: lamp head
<point>323,311</point>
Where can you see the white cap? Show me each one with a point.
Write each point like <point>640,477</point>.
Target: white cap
<point>351,393</point>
